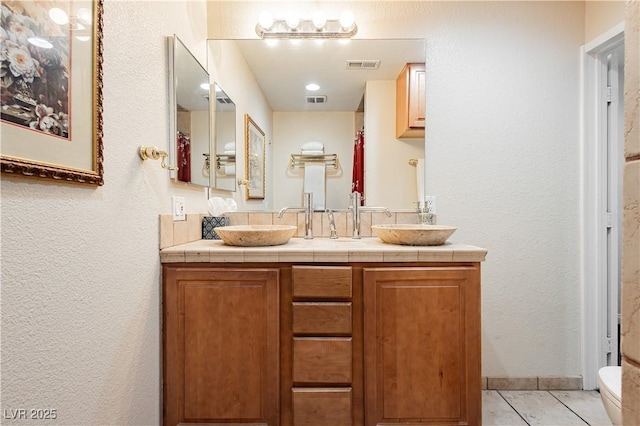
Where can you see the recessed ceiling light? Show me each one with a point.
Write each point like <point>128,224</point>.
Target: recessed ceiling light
<point>205,86</point>
<point>312,86</point>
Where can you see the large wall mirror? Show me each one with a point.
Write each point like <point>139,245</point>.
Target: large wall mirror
<point>224,141</point>
<point>190,116</point>
<point>357,80</point>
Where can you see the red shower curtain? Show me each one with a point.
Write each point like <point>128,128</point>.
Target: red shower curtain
<point>357,181</point>
<point>184,158</point>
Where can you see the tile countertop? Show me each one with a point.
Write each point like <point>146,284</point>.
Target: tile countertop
<point>345,250</point>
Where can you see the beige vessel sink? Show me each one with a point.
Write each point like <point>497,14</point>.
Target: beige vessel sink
<point>256,235</point>
<point>413,235</point>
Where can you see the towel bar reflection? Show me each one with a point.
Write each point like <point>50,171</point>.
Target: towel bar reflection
<point>224,160</point>
<point>297,161</point>
<point>153,153</point>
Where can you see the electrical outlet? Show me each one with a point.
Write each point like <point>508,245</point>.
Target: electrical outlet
<point>430,203</point>
<point>178,208</point>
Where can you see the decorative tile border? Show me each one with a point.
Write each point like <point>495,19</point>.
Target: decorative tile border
<point>173,233</point>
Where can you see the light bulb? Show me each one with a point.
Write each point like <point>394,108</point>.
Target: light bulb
<point>292,21</point>
<point>205,86</point>
<point>312,87</point>
<point>58,16</point>
<point>319,20</point>
<point>347,20</point>
<point>265,20</point>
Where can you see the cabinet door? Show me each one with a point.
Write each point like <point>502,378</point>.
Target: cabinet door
<point>417,95</point>
<point>422,346</point>
<point>221,346</point>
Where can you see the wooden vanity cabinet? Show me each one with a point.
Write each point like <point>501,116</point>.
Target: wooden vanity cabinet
<point>411,101</point>
<point>326,345</point>
<point>422,346</point>
<point>322,391</point>
<point>221,345</point>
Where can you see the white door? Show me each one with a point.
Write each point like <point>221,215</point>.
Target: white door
<point>614,167</point>
<point>601,200</point>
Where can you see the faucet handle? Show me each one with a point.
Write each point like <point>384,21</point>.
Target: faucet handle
<point>332,225</point>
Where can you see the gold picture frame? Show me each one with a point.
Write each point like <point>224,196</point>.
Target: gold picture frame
<point>254,144</point>
<point>51,120</point>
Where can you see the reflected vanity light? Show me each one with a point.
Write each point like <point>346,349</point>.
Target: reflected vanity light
<point>60,17</point>
<point>40,42</point>
<point>319,27</point>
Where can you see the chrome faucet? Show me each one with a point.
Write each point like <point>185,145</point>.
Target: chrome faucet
<point>308,214</point>
<point>355,213</point>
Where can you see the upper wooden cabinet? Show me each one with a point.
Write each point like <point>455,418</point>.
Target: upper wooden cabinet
<point>411,101</point>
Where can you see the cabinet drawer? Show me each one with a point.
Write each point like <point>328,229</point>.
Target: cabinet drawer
<point>322,360</point>
<point>322,318</point>
<point>322,406</point>
<point>329,282</point>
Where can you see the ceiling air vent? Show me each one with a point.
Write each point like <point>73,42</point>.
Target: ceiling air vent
<point>363,64</point>
<point>316,99</point>
<point>224,100</point>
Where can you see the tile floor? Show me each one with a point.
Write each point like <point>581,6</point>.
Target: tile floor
<point>548,408</point>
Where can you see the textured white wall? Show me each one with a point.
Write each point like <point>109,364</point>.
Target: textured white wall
<point>80,266</point>
<point>502,154</point>
<point>601,16</point>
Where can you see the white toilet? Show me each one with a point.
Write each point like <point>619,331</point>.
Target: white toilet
<point>610,383</point>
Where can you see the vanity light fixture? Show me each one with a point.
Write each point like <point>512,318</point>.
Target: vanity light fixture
<point>319,27</point>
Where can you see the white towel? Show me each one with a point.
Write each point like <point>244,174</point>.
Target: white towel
<point>229,152</point>
<point>314,182</point>
<point>312,146</point>
<point>420,182</point>
<point>308,152</point>
<point>230,169</point>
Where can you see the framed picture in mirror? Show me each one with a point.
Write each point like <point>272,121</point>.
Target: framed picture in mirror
<point>51,120</point>
<point>254,161</point>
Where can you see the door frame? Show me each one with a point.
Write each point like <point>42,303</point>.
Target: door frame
<point>593,196</point>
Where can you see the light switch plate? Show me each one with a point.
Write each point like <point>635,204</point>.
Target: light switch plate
<point>178,208</point>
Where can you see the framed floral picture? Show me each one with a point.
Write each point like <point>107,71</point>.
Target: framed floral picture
<point>51,81</point>
<point>254,161</point>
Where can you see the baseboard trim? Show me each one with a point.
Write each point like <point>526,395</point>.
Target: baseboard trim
<point>533,383</point>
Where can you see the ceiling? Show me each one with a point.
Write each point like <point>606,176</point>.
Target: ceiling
<point>283,70</point>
